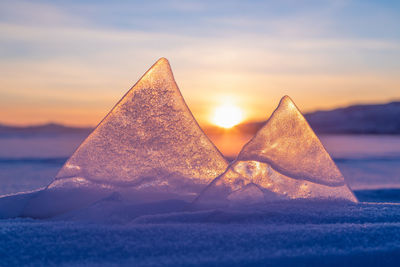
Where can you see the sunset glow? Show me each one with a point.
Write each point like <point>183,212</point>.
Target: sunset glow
<point>227,116</point>
<point>69,62</point>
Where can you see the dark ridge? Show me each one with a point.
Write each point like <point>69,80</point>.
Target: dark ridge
<point>368,159</point>
<point>356,119</point>
<point>42,130</point>
<point>56,161</point>
<point>378,195</point>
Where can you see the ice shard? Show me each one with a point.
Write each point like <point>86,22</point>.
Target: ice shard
<point>284,160</point>
<point>149,144</point>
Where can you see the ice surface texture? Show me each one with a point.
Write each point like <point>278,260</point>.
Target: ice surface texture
<point>284,160</point>
<point>149,143</point>
<point>149,140</point>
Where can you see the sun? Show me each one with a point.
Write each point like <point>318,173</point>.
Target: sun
<point>227,116</point>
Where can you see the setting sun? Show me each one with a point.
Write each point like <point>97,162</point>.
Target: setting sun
<point>227,116</point>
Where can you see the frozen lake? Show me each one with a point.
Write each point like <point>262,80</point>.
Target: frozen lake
<point>366,161</point>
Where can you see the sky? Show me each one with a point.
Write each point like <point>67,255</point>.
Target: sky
<point>70,61</point>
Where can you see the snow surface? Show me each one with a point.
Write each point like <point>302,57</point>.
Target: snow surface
<point>301,234</point>
<point>365,234</point>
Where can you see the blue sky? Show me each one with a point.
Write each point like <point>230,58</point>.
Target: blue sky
<point>70,61</point>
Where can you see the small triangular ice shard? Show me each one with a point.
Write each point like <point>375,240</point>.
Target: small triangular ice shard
<point>149,142</point>
<point>285,160</point>
<point>290,146</point>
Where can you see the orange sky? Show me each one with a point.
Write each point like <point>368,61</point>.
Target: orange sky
<point>70,63</point>
<point>84,98</point>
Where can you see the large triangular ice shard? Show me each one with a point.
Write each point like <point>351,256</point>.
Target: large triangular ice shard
<point>284,160</point>
<point>148,139</point>
<point>149,143</point>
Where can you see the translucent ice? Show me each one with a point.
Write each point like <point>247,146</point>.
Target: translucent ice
<point>149,144</point>
<point>149,139</point>
<point>284,160</point>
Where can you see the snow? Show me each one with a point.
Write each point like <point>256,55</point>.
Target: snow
<point>282,235</point>
<point>284,160</point>
<point>114,232</point>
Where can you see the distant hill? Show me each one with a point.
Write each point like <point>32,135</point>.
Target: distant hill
<point>41,130</point>
<point>355,119</point>
<point>358,119</point>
